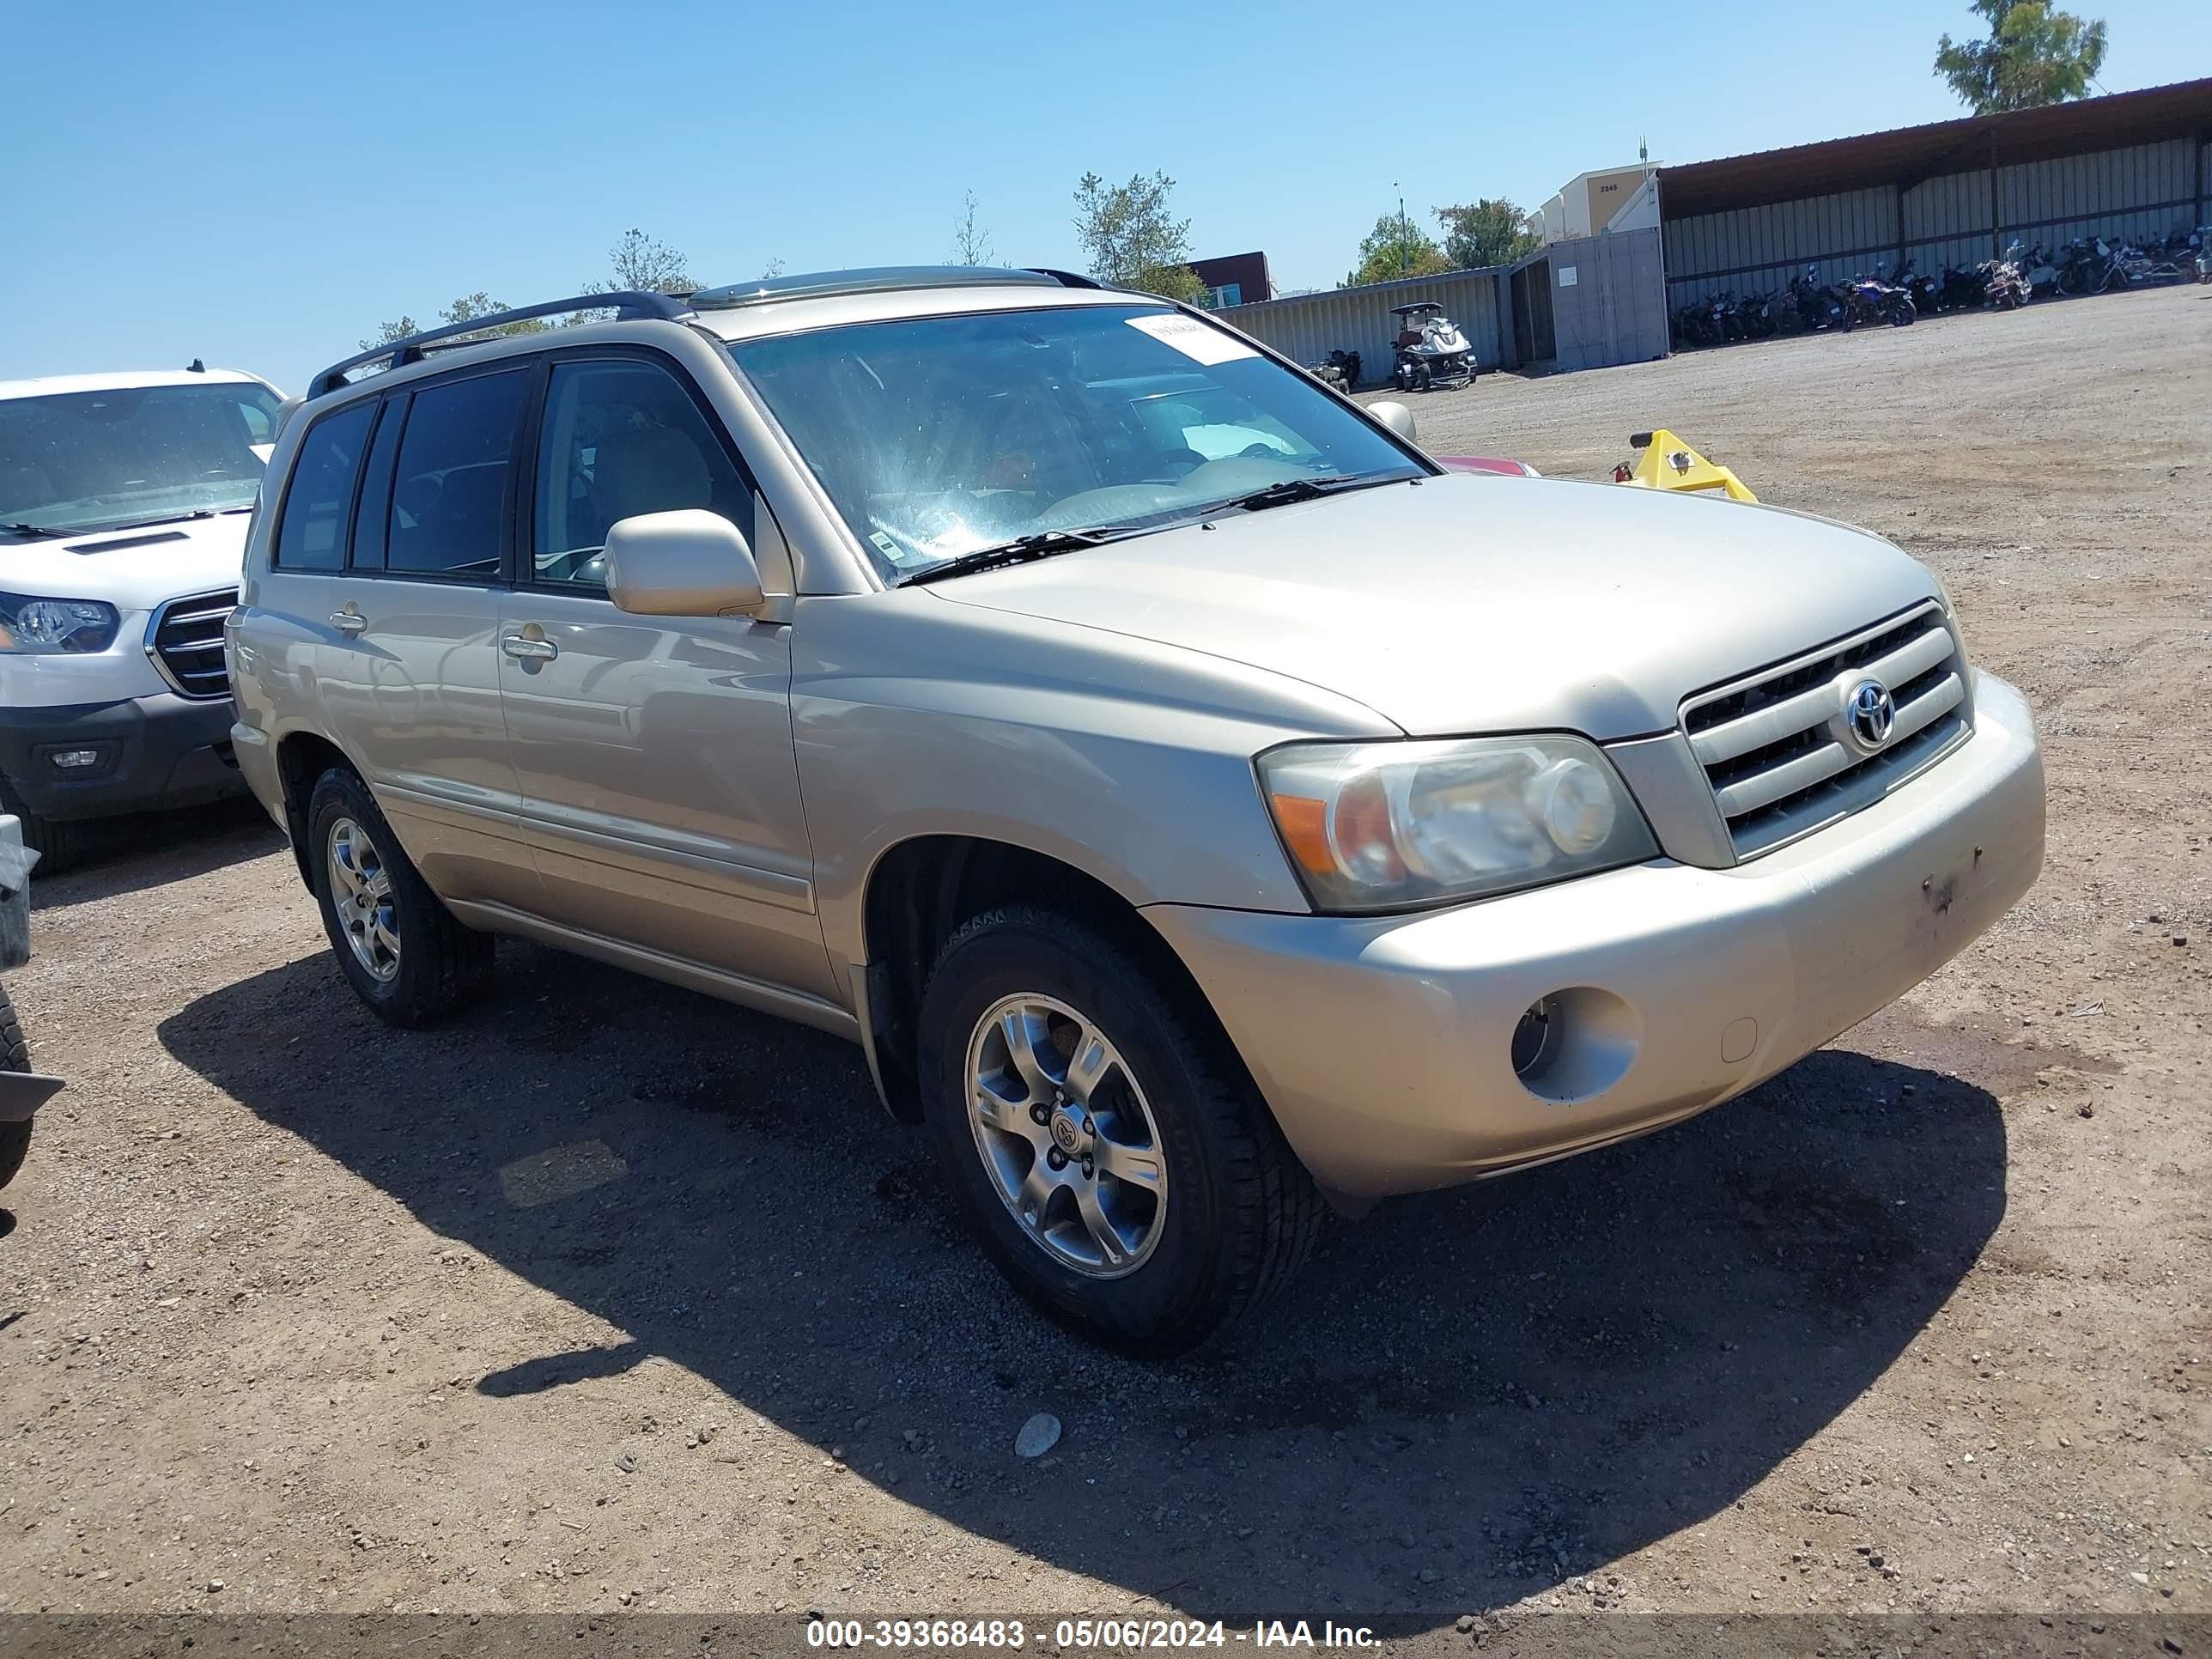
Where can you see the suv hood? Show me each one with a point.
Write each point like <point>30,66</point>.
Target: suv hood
<point>1470,604</point>
<point>135,570</point>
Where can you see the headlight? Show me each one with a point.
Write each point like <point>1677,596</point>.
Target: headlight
<point>36,627</point>
<point>1385,826</point>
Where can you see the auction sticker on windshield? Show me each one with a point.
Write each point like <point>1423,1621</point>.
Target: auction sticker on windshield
<point>1194,339</point>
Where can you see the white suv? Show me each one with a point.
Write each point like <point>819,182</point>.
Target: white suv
<point>124,500</point>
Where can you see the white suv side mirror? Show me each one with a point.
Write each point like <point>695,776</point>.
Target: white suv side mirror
<point>1396,416</point>
<point>688,562</point>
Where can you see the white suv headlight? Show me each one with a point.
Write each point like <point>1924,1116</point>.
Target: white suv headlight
<point>1385,826</point>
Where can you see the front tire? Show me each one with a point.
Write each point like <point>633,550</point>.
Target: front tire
<point>399,946</point>
<point>15,1056</point>
<point>1103,1138</point>
<point>58,843</point>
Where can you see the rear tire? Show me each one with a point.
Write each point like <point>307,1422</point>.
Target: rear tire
<point>400,949</point>
<point>1227,1213</point>
<point>58,842</point>
<point>15,1056</point>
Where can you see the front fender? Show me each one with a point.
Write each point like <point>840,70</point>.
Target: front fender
<point>1128,761</point>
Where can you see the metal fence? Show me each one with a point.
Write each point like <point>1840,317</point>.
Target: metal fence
<point>1308,326</point>
<point>1961,218</point>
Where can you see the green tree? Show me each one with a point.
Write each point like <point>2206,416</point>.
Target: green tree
<point>2034,55</point>
<point>466,309</point>
<point>1133,239</point>
<point>971,243</point>
<point>390,333</point>
<point>1488,231</point>
<point>644,265</point>
<point>1396,247</point>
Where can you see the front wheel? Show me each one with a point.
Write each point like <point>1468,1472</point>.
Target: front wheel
<point>15,1056</point>
<point>1103,1138</point>
<point>58,843</point>
<point>402,951</point>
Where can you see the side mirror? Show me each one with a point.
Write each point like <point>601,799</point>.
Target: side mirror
<point>690,562</point>
<point>1396,416</point>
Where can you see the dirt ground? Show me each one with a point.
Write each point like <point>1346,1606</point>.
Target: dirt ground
<point>608,1296</point>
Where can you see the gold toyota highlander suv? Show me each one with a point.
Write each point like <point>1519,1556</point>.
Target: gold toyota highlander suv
<point>1199,804</point>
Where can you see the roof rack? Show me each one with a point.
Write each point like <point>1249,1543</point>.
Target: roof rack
<point>627,305</point>
<point>867,279</point>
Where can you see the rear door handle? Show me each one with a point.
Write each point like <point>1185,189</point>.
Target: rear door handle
<point>522,648</point>
<point>348,621</point>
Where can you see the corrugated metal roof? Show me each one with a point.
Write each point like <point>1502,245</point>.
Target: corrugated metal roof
<point>1909,154</point>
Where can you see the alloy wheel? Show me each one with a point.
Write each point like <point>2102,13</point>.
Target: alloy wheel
<point>1067,1135</point>
<point>361,895</point>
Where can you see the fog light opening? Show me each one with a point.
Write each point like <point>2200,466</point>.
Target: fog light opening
<point>1575,1044</point>
<point>1536,1037</point>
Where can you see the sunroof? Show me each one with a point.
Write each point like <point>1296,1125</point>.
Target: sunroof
<point>868,280</point>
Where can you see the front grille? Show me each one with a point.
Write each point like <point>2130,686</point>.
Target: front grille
<point>1778,747</point>
<point>186,644</point>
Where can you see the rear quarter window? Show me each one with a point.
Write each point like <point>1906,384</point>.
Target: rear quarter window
<point>318,499</point>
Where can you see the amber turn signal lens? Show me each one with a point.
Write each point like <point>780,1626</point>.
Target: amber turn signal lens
<point>1305,831</point>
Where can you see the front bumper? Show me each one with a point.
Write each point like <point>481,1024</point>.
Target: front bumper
<point>155,750</point>
<point>1384,1044</point>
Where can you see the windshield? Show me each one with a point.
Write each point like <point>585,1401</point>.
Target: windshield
<point>941,436</point>
<point>93,460</point>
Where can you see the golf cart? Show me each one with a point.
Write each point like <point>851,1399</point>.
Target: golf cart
<point>1431,351</point>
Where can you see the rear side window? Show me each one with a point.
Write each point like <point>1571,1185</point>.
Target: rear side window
<point>312,535</point>
<point>449,491</point>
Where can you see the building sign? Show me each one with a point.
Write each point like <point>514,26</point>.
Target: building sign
<point>1568,277</point>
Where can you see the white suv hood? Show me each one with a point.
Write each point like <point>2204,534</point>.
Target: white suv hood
<point>133,570</point>
<point>1467,604</point>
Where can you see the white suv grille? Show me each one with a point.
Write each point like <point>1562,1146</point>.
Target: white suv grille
<point>1784,751</point>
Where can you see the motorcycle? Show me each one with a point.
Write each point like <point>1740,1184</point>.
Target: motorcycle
<point>2041,271</point>
<point>1817,307</point>
<point>1757,317</point>
<point>1872,300</point>
<point>1965,288</point>
<point>2142,269</point>
<point>2090,266</point>
<point>2004,284</point>
<point>1432,351</point>
<point>2201,240</point>
<point>1926,293</point>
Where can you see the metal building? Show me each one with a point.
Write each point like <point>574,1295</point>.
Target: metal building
<point>1581,304</point>
<point>2131,165</point>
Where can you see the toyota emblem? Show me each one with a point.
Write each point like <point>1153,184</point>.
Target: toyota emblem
<point>1872,713</point>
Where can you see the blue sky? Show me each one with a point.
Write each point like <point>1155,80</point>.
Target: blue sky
<point>260,186</point>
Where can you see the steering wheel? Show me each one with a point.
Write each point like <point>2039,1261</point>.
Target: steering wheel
<point>1259,452</point>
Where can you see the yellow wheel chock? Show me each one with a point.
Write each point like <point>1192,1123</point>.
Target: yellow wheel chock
<point>1663,461</point>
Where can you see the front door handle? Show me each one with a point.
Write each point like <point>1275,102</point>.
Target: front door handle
<point>348,621</point>
<point>522,648</point>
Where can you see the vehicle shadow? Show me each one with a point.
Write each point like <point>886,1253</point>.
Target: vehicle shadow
<point>153,849</point>
<point>1469,1396</point>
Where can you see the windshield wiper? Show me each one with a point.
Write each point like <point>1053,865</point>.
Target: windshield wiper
<point>166,518</point>
<point>40,530</point>
<point>1289,490</point>
<point>1039,544</point>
